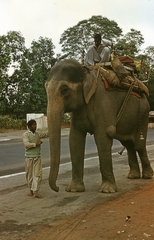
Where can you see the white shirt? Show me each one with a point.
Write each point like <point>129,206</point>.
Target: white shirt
<point>94,54</point>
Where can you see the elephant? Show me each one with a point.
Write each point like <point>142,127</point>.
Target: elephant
<point>72,87</point>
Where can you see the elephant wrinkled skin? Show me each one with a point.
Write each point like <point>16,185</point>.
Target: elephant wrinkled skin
<point>74,88</point>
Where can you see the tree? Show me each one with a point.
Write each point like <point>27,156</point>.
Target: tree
<point>19,92</point>
<point>4,65</point>
<point>151,91</point>
<point>130,43</point>
<point>12,47</point>
<point>40,59</point>
<point>22,90</point>
<point>78,38</point>
<point>42,51</point>
<point>148,60</point>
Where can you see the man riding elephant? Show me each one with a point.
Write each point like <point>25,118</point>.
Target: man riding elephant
<point>100,52</point>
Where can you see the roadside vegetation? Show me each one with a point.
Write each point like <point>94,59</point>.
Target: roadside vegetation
<point>7,122</point>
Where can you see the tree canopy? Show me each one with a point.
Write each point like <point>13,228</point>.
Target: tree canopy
<point>23,71</point>
<point>79,37</point>
<point>130,43</point>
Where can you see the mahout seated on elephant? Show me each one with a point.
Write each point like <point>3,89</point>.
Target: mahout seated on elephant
<point>74,88</point>
<point>100,52</point>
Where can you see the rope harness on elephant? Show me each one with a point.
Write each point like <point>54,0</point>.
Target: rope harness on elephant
<point>118,77</point>
<point>124,103</point>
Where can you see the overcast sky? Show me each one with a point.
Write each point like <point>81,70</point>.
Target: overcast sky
<point>50,18</point>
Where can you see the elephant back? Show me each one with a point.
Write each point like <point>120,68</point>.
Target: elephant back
<point>117,76</point>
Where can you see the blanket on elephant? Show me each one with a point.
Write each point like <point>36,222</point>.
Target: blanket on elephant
<point>119,77</point>
<point>125,83</point>
<point>110,88</point>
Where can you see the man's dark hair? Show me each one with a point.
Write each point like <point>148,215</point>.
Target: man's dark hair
<point>31,122</point>
<point>97,36</point>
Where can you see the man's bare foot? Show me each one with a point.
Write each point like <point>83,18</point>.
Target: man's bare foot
<point>30,194</point>
<point>37,195</point>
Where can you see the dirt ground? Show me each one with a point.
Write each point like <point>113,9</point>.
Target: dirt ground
<point>131,216</point>
<point>125,215</point>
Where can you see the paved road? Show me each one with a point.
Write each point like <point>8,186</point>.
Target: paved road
<point>12,152</point>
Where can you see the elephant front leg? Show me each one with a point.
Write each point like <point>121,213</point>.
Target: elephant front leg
<point>104,151</point>
<point>77,147</point>
<point>108,181</point>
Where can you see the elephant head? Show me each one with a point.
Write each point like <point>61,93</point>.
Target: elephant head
<point>69,86</point>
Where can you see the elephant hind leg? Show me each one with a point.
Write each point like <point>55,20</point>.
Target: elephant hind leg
<point>134,172</point>
<point>147,171</point>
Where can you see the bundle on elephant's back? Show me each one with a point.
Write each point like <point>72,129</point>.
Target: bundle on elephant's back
<point>125,83</point>
<point>111,77</point>
<point>138,85</point>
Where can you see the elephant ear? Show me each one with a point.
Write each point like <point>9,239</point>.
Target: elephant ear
<point>89,83</point>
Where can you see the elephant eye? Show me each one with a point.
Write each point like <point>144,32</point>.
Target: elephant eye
<point>64,90</point>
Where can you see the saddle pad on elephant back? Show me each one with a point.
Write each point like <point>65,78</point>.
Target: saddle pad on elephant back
<point>110,88</point>
<point>128,61</point>
<point>138,87</point>
<point>113,80</point>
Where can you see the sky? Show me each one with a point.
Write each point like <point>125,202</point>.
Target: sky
<point>50,18</point>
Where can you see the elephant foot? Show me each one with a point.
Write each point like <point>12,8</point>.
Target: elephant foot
<point>147,173</point>
<point>75,187</point>
<point>134,174</point>
<point>107,188</point>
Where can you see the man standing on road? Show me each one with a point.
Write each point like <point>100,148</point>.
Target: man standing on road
<point>33,164</point>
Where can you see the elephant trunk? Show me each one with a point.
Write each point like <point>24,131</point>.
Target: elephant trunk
<point>54,127</point>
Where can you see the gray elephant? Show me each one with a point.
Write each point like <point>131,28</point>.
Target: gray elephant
<point>74,88</point>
